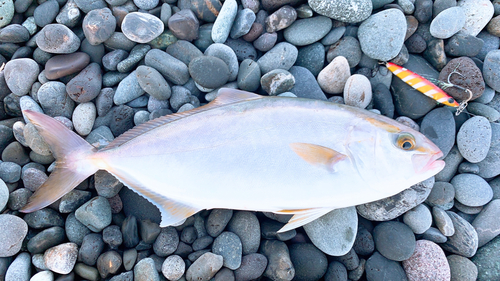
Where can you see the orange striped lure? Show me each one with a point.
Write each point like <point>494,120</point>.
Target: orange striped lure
<point>421,84</point>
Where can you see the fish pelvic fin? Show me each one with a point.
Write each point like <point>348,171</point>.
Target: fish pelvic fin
<point>318,155</point>
<point>75,161</point>
<point>302,217</point>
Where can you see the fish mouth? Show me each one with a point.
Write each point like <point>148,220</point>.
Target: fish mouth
<point>423,163</point>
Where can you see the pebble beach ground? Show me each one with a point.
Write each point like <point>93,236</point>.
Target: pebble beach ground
<point>103,67</point>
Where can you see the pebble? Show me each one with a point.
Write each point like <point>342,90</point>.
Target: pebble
<point>204,268</point>
<point>277,81</point>
<point>352,11</point>
<point>171,68</point>
<point>309,262</point>
<point>428,262</point>
<point>95,214</point>
<point>19,198</point>
<point>312,57</point>
<point>112,236</point>
<point>350,260</point>
<point>335,232</point>
<point>307,31</point>
<point>46,239</point>
<point>180,96</point>
<point>226,54</point>
<point>493,26</point>
<point>13,235</point>
<point>336,271</point>
<point>439,127</point>
<point>382,35</point>
<point>486,223</point>
<point>136,54</point>
<point>379,268</point>
<point>448,22</point>
<point>419,219</point>
<point>394,240</point>
<point>465,240</point>
<point>357,91</point>
<point>20,74</point>
<point>15,153</point>
<point>57,39</point>
<point>63,65</point>
<point>394,206</point>
<point>184,51</point>
<point>141,27</point>
<point>478,14</point>
<point>111,60</point>
<point>61,258</point>
<point>167,241</point>
<point>75,230</point>
<point>490,69</point>
<point>347,47</point>
<point>173,267</point>
<point>249,75</point>
<point>184,25</point>
<point>98,25</point>
<point>84,117</point>
<point>43,276</point>
<point>282,56</point>
<point>4,195</point>
<point>467,210</point>
<point>443,221</point>
<point>54,99</point>
<point>85,86</point>
<point>128,89</point>
<point>280,19</point>
<point>108,263</point>
<point>471,190</point>
<point>7,12</point>
<point>20,268</point>
<point>487,260</point>
<point>463,45</point>
<point>243,23</point>
<point>106,184</point>
<point>266,41</point>
<point>461,268</point>
<point>228,245</point>
<point>217,221</point>
<point>91,247</point>
<point>224,21</point>
<point>332,79</point>
<point>280,266</point>
<point>474,81</point>
<point>145,270</point>
<point>14,33</point>
<point>246,226</point>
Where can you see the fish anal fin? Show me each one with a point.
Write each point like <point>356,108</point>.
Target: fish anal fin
<point>226,96</point>
<point>317,154</point>
<point>302,217</point>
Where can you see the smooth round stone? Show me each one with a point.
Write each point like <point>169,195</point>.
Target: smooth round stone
<point>279,265</point>
<point>98,25</point>
<point>357,91</point>
<point>487,260</point>
<point>427,262</point>
<point>382,35</point>
<point>205,267</point>
<point>491,69</point>
<point>13,235</point>
<point>19,269</point>
<point>43,275</point>
<point>419,219</point>
<point>75,230</point>
<point>20,74</point>
<point>145,269</point>
<point>224,21</point>
<point>255,31</point>
<point>91,248</point>
<point>108,263</point>
<point>332,79</point>
<point>462,268</point>
<point>226,54</point>
<point>57,39</point>
<point>54,100</point>
<point>490,43</point>
<point>171,68</point>
<point>84,117</point>
<point>173,267</point>
<point>43,218</point>
<point>439,127</point>
<point>69,14</point>
<point>448,22</point>
<point>128,90</point>
<point>335,232</point>
<point>312,57</point>
<point>62,65</point>
<point>18,198</point>
<point>10,172</point>
<point>209,71</point>
<point>111,60</point>
<point>309,262</point>
<point>306,85</point>
<point>433,234</point>
<point>95,214</point>
<point>351,11</point>
<point>72,200</point>
<point>364,244</point>
<point>465,241</point>
<point>347,47</point>
<point>249,75</point>
<point>336,271</point>
<point>119,41</point>
<point>167,241</point>
<point>86,85</point>
<point>281,19</point>
<point>471,190</point>
<point>184,51</point>
<point>486,223</point>
<point>477,13</point>
<point>282,56</point>
<point>246,226</point>
<point>62,258</point>
<point>14,33</point>
<point>7,11</point>
<point>184,25</point>
<point>394,240</point>
<point>266,41</point>
<point>307,31</point>
<point>277,81</point>
<point>252,267</point>
<point>202,242</point>
<point>474,139</point>
<point>242,49</point>
<point>463,45</point>
<point>228,245</point>
<point>217,221</point>
<point>379,268</point>
<point>141,27</point>
<point>47,238</point>
<point>15,152</point>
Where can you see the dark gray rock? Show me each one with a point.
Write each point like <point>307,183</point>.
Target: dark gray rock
<point>167,241</point>
<point>439,127</point>
<point>91,248</point>
<point>306,85</point>
<point>279,265</point>
<point>309,262</point>
<point>394,240</point>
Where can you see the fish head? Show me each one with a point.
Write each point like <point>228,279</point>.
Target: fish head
<point>391,156</point>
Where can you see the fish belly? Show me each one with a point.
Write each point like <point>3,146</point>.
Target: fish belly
<point>239,157</point>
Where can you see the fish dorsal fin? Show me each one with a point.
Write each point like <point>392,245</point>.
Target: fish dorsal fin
<point>318,155</point>
<point>226,96</point>
<point>302,217</point>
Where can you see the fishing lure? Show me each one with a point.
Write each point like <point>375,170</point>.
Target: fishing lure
<point>421,84</point>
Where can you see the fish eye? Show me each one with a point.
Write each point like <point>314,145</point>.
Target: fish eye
<point>406,141</point>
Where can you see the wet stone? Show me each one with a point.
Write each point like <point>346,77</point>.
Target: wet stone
<point>184,25</point>
<point>57,39</point>
<point>62,65</point>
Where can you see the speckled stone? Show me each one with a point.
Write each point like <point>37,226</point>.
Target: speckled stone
<point>461,268</point>
<point>204,268</point>
<point>86,85</point>
<point>465,241</point>
<point>57,39</point>
<point>95,214</point>
<point>307,31</point>
<point>62,258</point>
<point>345,11</point>
<point>428,262</point>
<point>487,261</point>
<point>277,81</point>
<point>471,190</point>
<point>13,235</point>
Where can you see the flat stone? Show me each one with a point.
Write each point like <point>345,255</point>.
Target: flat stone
<point>488,261</point>
<point>228,245</point>
<point>439,127</point>
<point>465,241</point>
<point>448,22</point>
<point>471,190</point>
<point>462,268</point>
<point>309,262</point>
<point>419,219</point>
<point>171,68</point>
<point>141,27</point>
<point>282,56</point>
<point>226,54</point>
<point>63,65</point>
<point>379,268</point>
<point>95,214</point>
<point>14,33</point>
<point>249,75</point>
<point>307,31</point>
<point>486,223</point>
<point>394,240</point>
<point>7,11</point>
<point>478,14</point>
<point>208,71</point>
<point>345,11</point>
<point>252,267</point>
<point>128,89</point>
<point>57,39</point>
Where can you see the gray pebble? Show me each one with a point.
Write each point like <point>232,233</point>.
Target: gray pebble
<point>461,268</point>
<point>141,27</point>
<point>13,235</point>
<point>180,96</point>
<point>84,117</point>
<point>73,200</point>
<point>86,85</point>
<point>312,57</point>
<point>69,15</point>
<point>110,60</point>
<point>98,25</point>
<point>61,258</point>
<point>246,226</point>
<point>249,75</point>
<point>448,22</point>
<point>280,266</point>
<point>277,81</point>
<point>228,245</point>
<point>19,198</point>
<point>252,267</point>
<point>346,11</point>
<point>95,214</point>
<point>92,246</point>
<point>109,263</point>
<point>379,268</point>
<point>149,231</point>
<point>15,153</point>
<point>309,262</point>
<point>480,109</point>
<point>419,219</point>
<point>47,238</point>
<point>281,19</point>
<point>15,33</point>
<point>130,232</point>
<point>57,39</point>
<point>433,234</point>
<point>443,221</point>
<point>307,31</point>
<point>4,195</point>
<point>224,21</point>
<point>452,160</point>
<point>10,172</point>
<point>491,68</point>
<point>128,89</point>
<point>471,190</point>
<point>171,68</point>
<point>20,268</point>
<point>486,223</point>
<point>217,221</point>
<point>173,267</point>
<point>468,168</point>
<point>306,85</point>
<point>357,91</point>
<point>266,41</point>
<point>394,240</point>
<point>7,11</point>
<point>242,24</point>
<point>226,54</point>
<point>282,56</point>
<point>184,51</point>
<point>202,242</point>
<point>167,241</point>
<point>465,241</point>
<point>54,99</point>
<point>145,270</point>
<point>20,74</point>
<point>439,127</point>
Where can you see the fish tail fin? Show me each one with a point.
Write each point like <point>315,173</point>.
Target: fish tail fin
<point>75,161</point>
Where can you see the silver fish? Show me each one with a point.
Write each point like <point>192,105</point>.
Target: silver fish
<point>248,152</point>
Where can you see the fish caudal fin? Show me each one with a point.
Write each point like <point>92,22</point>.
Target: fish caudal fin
<point>74,162</point>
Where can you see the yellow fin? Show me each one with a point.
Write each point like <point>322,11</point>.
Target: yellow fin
<point>226,96</point>
<point>302,217</point>
<point>383,125</point>
<point>317,154</point>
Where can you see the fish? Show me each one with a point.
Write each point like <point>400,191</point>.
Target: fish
<point>421,84</point>
<point>244,151</point>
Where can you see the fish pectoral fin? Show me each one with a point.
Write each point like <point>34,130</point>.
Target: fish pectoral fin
<point>302,217</point>
<point>318,155</point>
